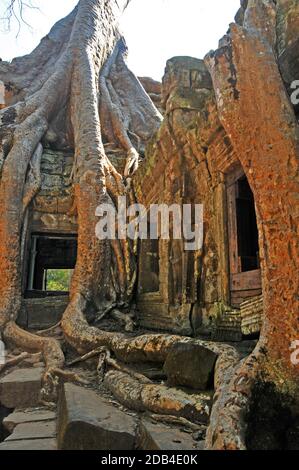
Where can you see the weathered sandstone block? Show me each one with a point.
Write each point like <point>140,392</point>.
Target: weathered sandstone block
<point>87,422</point>
<point>190,365</point>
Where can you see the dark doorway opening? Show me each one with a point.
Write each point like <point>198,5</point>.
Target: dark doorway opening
<point>245,273</point>
<point>52,260</point>
<point>247,231</point>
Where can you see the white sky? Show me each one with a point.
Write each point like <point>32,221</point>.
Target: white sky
<point>155,30</point>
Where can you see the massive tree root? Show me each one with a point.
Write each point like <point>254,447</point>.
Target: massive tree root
<point>266,142</point>
<point>56,95</point>
<point>158,398</point>
<point>141,395</point>
<point>227,428</point>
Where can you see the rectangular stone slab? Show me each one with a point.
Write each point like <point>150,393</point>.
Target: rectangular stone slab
<point>34,444</point>
<point>30,416</point>
<point>39,430</point>
<point>87,422</point>
<point>21,388</point>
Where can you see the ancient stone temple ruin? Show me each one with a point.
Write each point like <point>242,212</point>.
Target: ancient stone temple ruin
<point>146,333</point>
<point>208,292</point>
<point>191,160</point>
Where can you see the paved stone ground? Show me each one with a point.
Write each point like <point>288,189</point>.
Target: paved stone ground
<point>87,420</point>
<point>105,423</point>
<point>30,427</point>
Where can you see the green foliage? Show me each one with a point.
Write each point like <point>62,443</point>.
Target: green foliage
<point>58,279</point>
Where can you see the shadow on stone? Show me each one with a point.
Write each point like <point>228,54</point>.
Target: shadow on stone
<point>271,423</point>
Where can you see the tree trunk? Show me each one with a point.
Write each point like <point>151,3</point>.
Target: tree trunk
<point>258,117</point>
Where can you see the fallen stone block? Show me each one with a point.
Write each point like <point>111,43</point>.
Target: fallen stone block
<point>21,388</point>
<point>88,422</point>
<point>34,444</point>
<point>27,416</point>
<point>190,365</point>
<point>158,436</point>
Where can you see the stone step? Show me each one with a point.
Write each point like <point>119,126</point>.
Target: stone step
<point>88,422</point>
<point>252,311</point>
<point>27,416</point>
<point>156,436</point>
<point>34,444</point>
<point>21,388</point>
<point>35,430</point>
<point>228,327</point>
<point>31,429</point>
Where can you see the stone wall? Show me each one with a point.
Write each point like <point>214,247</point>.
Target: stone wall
<point>195,157</point>
<point>192,160</point>
<point>51,209</point>
<point>42,313</point>
<point>288,41</point>
<point>181,167</point>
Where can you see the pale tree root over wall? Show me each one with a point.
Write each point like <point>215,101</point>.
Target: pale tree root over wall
<point>246,72</point>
